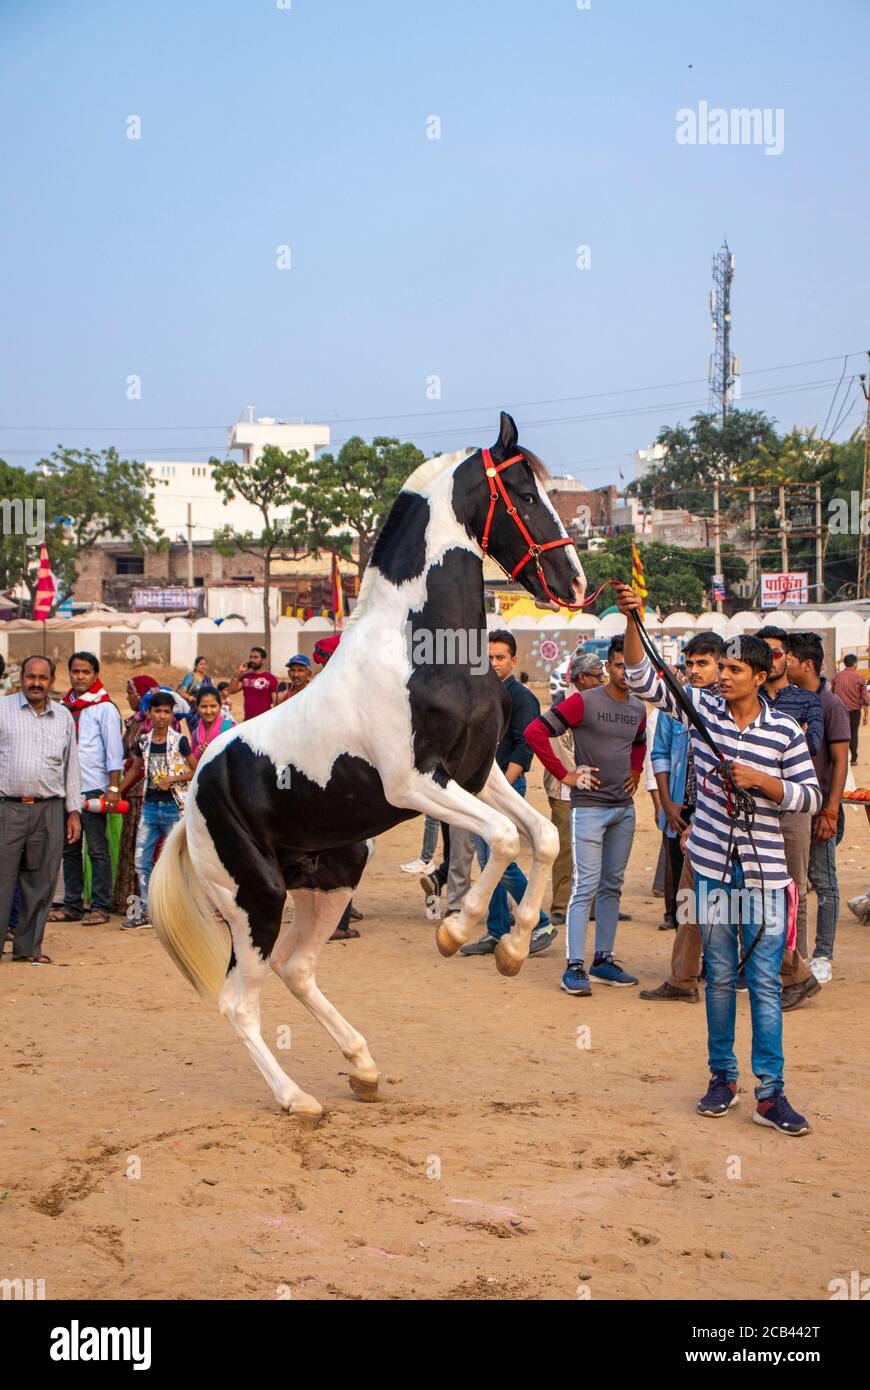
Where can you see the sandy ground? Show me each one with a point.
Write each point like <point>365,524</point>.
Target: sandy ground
<point>144,1157</point>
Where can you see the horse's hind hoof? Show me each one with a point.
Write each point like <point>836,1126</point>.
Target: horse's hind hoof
<point>505,962</point>
<point>363,1090</point>
<point>444,941</point>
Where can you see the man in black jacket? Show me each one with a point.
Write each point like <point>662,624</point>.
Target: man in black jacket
<point>514,757</point>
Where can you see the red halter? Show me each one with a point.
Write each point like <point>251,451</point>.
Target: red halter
<point>534,552</point>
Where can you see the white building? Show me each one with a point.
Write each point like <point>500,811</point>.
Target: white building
<point>179,484</point>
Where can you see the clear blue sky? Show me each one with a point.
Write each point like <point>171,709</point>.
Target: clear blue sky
<point>413,257</point>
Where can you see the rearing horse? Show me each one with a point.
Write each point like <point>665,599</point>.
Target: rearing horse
<point>286,801</point>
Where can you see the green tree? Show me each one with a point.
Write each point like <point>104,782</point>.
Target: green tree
<point>676,578</point>
<point>269,484</point>
<point>701,453</point>
<point>86,497</point>
<point>347,497</point>
<point>16,489</point>
<point>841,472</point>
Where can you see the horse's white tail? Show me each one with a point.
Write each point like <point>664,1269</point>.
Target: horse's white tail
<point>186,924</point>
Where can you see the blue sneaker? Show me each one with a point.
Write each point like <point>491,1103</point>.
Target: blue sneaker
<point>610,972</point>
<point>575,980</point>
<point>776,1112</point>
<point>721,1095</point>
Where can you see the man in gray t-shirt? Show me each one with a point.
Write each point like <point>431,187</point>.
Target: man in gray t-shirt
<point>609,729</point>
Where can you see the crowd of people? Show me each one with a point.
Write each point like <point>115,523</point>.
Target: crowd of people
<point>789,736</point>
<point>69,765</point>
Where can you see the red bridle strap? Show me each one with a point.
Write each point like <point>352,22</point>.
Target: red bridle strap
<point>534,552</point>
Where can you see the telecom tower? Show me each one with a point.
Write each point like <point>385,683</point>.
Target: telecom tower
<point>724,370</point>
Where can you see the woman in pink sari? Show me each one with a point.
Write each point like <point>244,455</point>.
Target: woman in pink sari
<point>211,722</point>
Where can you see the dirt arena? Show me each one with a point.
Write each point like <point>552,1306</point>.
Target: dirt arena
<point>503,1161</point>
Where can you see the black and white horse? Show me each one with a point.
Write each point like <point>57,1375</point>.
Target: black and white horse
<point>286,801</point>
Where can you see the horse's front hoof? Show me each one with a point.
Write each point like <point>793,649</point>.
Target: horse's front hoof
<point>309,1111</point>
<point>444,941</point>
<point>364,1090</point>
<point>506,963</point>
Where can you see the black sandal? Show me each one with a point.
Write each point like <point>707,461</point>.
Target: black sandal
<point>344,934</point>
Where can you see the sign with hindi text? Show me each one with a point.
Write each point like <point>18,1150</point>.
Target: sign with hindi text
<point>782,590</point>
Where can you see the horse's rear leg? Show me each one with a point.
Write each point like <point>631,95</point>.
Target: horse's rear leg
<point>239,1002</point>
<point>315,916</point>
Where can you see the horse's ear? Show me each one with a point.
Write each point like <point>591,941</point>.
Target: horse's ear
<point>508,436</point>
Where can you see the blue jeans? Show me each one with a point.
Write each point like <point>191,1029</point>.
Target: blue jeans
<point>601,838</point>
<point>720,940</point>
<point>431,826</point>
<point>822,873</point>
<point>513,881</point>
<point>158,818</point>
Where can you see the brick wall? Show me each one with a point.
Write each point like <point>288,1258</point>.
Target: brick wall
<point>99,583</point>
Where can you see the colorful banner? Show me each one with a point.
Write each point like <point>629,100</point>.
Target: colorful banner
<point>638,581</point>
<point>46,587</point>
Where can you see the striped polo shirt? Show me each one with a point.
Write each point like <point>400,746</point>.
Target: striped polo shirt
<point>773,743</point>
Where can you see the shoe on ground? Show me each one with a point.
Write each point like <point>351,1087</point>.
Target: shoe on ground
<point>542,938</point>
<point>355,914</point>
<point>667,923</point>
<point>610,972</point>
<point>741,984</point>
<point>557,919</point>
<point>669,991</point>
<point>484,947</point>
<point>135,924</point>
<point>776,1112</point>
<point>794,995</point>
<point>576,981</point>
<point>419,866</point>
<point>822,968</point>
<point>721,1095</point>
<point>430,885</point>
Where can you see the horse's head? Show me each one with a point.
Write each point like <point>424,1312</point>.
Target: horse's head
<point>500,498</point>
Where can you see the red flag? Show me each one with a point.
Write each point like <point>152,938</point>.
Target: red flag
<point>337,595</point>
<point>46,587</point>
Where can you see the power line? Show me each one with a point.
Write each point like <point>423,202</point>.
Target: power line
<point>834,397</point>
<point>426,414</point>
<point>593,417</point>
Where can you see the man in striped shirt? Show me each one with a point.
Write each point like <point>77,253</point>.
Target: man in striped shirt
<point>768,757</point>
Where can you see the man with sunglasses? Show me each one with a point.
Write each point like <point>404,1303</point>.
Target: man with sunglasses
<point>805,707</point>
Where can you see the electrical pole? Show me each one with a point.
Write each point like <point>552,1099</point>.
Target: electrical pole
<point>717,543</point>
<point>820,548</point>
<point>189,546</point>
<point>723,369</point>
<point>864,509</point>
<point>783,530</point>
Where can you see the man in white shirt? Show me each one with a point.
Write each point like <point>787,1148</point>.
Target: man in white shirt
<point>100,741</point>
<point>40,800</point>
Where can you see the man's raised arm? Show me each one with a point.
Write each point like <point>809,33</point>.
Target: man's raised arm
<point>642,678</point>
